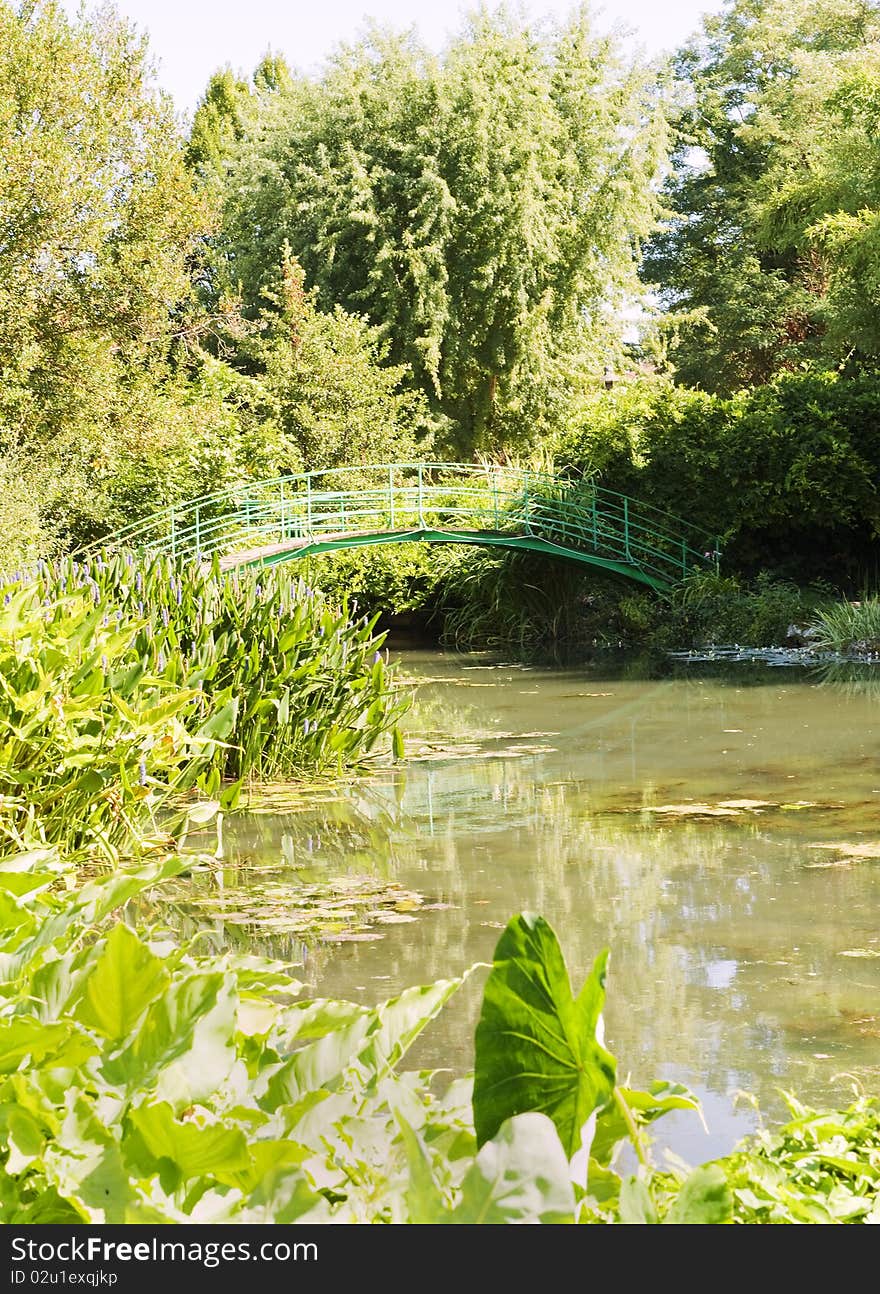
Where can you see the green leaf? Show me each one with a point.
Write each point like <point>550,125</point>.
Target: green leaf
<point>203,812</point>
<point>424,1199</point>
<point>400,1020</point>
<point>612,1128</point>
<point>25,1139</point>
<point>85,1166</point>
<point>221,723</point>
<point>183,1049</point>
<point>705,1197</point>
<point>212,1149</point>
<point>125,980</point>
<point>521,1175</point>
<point>636,1203</point>
<point>536,1045</point>
<point>50,1045</point>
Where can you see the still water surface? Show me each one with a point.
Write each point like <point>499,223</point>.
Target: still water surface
<point>720,834</point>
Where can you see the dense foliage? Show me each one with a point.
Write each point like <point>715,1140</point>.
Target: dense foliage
<point>143,1082</point>
<point>116,392</point>
<point>769,257</point>
<point>785,474</point>
<point>850,626</point>
<point>482,209</point>
<point>124,684</point>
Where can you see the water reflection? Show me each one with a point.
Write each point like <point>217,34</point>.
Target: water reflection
<point>698,826</point>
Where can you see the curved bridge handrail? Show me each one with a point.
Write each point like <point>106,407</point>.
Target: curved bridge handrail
<point>254,522</point>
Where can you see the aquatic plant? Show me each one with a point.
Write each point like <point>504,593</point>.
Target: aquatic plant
<point>849,626</point>
<point>285,679</point>
<point>142,1081</point>
<point>94,741</point>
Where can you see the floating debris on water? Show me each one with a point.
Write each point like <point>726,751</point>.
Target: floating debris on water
<point>340,909</point>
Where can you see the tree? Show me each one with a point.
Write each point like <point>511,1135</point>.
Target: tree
<point>752,262</point>
<point>324,385</point>
<point>100,226</point>
<point>482,210</point>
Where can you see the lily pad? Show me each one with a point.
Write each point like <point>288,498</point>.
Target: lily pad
<point>693,810</point>
<point>331,910</point>
<point>852,849</point>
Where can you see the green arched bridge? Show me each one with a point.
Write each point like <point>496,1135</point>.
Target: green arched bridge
<point>263,523</point>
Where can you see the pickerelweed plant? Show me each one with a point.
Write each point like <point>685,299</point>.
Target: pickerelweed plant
<point>124,655</point>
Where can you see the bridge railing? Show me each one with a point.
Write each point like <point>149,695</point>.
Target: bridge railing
<point>401,498</point>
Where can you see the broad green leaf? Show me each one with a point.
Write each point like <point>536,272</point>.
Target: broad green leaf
<point>536,1045</point>
<point>25,1138</point>
<point>267,1160</point>
<point>209,1149</point>
<point>318,1064</point>
<point>705,1197</point>
<point>29,883</point>
<point>183,1048</point>
<point>372,1040</point>
<point>521,1175</point>
<point>85,1166</point>
<point>424,1199</point>
<point>203,812</point>
<point>285,1197</point>
<point>314,1019</point>
<point>125,980</point>
<point>221,722</point>
<point>61,1044</point>
<point>399,1022</point>
<point>636,1202</point>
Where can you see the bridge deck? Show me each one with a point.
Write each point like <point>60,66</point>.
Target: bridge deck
<point>266,522</point>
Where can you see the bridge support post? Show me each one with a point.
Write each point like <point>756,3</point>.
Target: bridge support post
<point>198,536</point>
<point>281,518</point>
<point>421,513</point>
<point>308,503</point>
<point>626,550</point>
<point>391,496</point>
<point>173,535</point>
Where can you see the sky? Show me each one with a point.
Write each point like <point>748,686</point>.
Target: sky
<point>191,39</point>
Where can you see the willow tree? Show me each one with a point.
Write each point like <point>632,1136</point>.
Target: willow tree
<point>483,209</point>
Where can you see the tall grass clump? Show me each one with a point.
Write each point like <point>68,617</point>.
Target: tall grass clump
<point>849,626</point>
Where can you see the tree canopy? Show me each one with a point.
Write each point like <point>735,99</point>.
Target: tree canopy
<point>768,259</point>
<point>482,209</point>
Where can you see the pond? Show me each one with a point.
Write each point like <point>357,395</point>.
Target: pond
<point>719,830</point>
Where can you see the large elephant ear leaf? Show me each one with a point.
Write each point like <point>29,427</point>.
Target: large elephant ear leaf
<point>536,1044</point>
